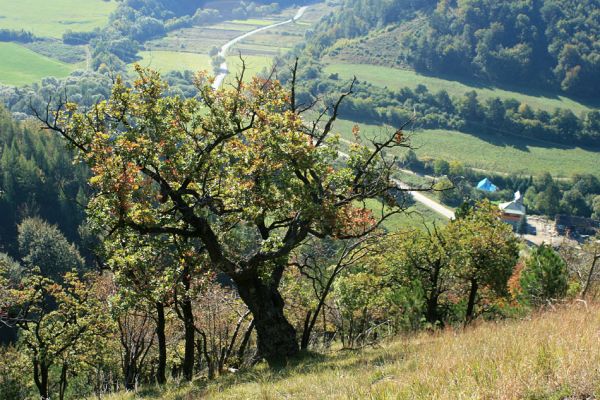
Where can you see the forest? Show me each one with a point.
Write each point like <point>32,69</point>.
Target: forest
<point>549,43</point>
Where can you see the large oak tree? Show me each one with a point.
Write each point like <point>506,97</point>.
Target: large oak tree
<point>237,171</point>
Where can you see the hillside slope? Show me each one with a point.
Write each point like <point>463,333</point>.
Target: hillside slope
<point>546,43</point>
<point>554,355</point>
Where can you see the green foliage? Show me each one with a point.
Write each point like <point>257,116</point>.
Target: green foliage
<point>545,276</point>
<point>37,177</point>
<point>22,66</point>
<point>12,382</point>
<point>502,41</point>
<point>43,246</point>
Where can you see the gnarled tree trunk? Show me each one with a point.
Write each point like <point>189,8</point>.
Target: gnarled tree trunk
<point>276,336</point>
<point>471,304</point>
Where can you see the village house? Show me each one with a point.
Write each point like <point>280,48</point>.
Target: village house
<point>513,211</point>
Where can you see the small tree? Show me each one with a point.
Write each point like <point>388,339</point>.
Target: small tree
<point>44,246</point>
<point>545,276</point>
<point>487,252</point>
<point>57,322</point>
<point>441,167</point>
<point>426,256</point>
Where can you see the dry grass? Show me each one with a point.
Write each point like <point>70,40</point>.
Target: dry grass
<point>554,355</point>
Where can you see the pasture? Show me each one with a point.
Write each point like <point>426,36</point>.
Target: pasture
<point>395,79</point>
<point>51,18</point>
<point>21,66</point>
<point>165,61</point>
<point>258,49</point>
<point>501,154</point>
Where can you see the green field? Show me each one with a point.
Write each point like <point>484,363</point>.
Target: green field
<point>165,61</point>
<point>416,216</point>
<point>258,49</point>
<point>21,66</point>
<point>398,78</point>
<point>252,21</point>
<point>51,18</point>
<point>493,153</point>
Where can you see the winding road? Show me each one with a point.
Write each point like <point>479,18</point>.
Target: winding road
<point>223,51</point>
<point>418,196</point>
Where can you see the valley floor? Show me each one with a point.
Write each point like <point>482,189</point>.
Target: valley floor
<point>553,355</point>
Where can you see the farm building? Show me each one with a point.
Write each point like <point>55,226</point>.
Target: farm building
<point>486,185</point>
<point>513,211</point>
<point>569,225</point>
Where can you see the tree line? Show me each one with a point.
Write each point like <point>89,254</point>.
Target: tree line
<point>466,113</point>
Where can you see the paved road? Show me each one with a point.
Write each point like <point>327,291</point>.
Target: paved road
<point>223,51</point>
<point>418,196</point>
<point>426,201</point>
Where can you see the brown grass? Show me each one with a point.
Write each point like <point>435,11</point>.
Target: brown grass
<point>552,355</point>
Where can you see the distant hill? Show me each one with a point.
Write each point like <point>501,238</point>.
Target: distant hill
<point>542,43</point>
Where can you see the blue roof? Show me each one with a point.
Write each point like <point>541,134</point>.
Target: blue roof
<point>486,185</point>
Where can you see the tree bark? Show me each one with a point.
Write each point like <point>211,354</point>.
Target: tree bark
<point>188,322</point>
<point>590,275</point>
<point>161,377</point>
<point>275,335</point>
<point>40,376</point>
<point>63,381</point>
<point>471,303</point>
<point>245,341</point>
<point>431,314</point>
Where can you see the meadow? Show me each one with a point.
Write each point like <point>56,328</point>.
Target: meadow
<point>551,355</point>
<point>417,216</point>
<point>500,154</point>
<point>21,66</point>
<point>52,18</point>
<point>395,78</point>
<point>258,49</point>
<point>165,61</point>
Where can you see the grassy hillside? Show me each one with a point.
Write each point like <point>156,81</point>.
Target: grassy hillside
<point>394,78</point>
<point>53,18</point>
<point>504,154</point>
<point>554,355</point>
<point>21,66</point>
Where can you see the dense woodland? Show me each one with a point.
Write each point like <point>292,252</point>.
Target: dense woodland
<point>538,43</point>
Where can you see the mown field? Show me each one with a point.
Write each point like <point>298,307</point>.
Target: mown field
<point>266,44</point>
<point>415,216</point>
<point>20,66</point>
<point>394,78</point>
<point>165,61</point>
<point>51,18</point>
<point>502,154</point>
<point>552,355</point>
